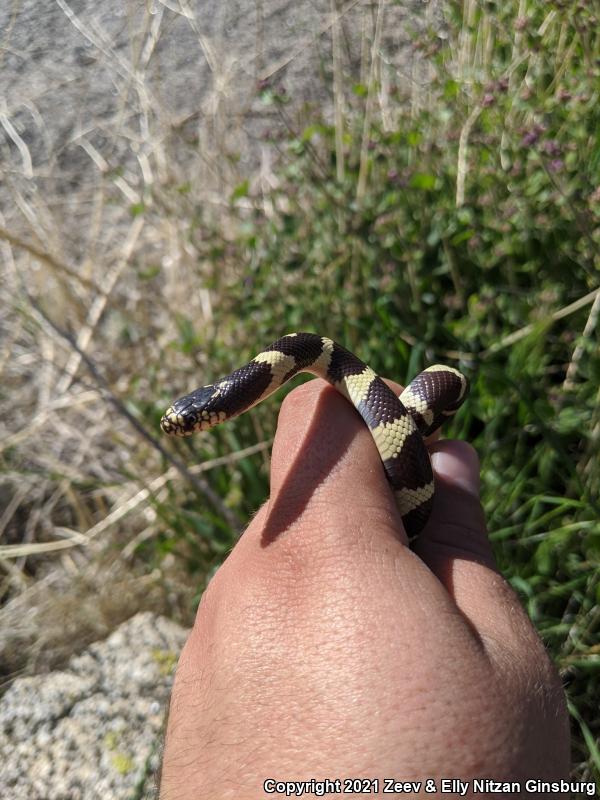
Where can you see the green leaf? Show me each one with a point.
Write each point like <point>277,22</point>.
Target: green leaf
<point>150,272</point>
<point>241,190</point>
<point>451,88</point>
<point>135,209</point>
<point>422,180</point>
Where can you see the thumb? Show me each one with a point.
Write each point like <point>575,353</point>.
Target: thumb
<point>456,534</point>
<point>457,521</point>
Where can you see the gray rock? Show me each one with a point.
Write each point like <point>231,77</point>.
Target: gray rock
<point>93,730</point>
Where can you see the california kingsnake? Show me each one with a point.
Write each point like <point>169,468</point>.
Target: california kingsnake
<point>397,425</point>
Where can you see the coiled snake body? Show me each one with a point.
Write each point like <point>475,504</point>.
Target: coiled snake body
<point>397,425</point>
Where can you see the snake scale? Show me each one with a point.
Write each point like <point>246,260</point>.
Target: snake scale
<point>398,425</point>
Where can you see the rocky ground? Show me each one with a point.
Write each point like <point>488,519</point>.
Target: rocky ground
<point>93,729</point>
<point>94,88</point>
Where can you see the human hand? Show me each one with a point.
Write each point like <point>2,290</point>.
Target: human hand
<point>325,648</point>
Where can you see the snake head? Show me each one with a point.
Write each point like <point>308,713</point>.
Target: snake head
<point>177,424</point>
<point>192,413</point>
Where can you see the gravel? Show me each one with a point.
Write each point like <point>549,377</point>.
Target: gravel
<point>94,729</point>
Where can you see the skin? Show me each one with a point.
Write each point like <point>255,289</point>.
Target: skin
<point>324,647</point>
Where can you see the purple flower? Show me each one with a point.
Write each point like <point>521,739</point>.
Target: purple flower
<point>488,100</point>
<point>556,165</point>
<point>552,148</point>
<point>530,138</point>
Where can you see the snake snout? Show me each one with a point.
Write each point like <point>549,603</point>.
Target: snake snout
<point>178,423</point>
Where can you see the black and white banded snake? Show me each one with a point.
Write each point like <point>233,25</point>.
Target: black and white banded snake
<point>398,425</point>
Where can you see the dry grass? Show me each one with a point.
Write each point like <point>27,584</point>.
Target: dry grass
<point>76,470</point>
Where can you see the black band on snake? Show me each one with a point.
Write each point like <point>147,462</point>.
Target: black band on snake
<point>397,425</point>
